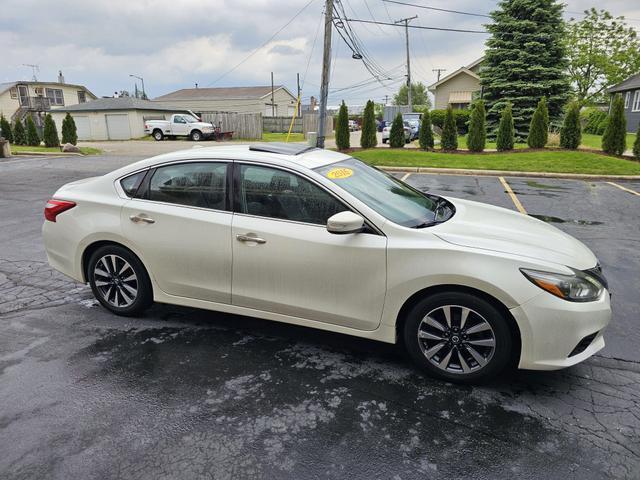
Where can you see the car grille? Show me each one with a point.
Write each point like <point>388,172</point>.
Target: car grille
<point>582,345</point>
<point>596,272</point>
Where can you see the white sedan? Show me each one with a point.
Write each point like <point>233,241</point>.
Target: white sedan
<point>317,238</point>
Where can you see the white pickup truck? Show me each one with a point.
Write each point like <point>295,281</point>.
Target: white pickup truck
<point>179,125</point>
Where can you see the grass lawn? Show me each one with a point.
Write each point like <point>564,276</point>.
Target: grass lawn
<point>282,137</point>
<point>462,144</point>
<point>558,161</point>
<point>26,148</point>
<point>590,140</point>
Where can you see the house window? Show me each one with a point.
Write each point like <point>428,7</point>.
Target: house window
<point>636,101</point>
<point>82,96</point>
<point>14,92</point>
<point>627,96</point>
<point>55,96</point>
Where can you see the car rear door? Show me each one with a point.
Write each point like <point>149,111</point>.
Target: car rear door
<point>285,261</point>
<point>180,222</point>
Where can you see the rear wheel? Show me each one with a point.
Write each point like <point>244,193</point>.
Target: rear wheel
<point>119,281</point>
<point>196,136</point>
<point>157,135</point>
<point>458,337</point>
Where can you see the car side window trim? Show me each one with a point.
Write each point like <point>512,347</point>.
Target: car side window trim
<point>237,207</point>
<point>142,193</point>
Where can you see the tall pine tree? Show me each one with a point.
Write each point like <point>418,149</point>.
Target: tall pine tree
<point>342,128</point>
<point>525,60</point>
<point>33,139</point>
<point>477,136</point>
<point>614,138</point>
<point>425,138</point>
<point>5,129</point>
<point>368,138</point>
<point>69,130</point>
<point>19,135</point>
<point>50,135</point>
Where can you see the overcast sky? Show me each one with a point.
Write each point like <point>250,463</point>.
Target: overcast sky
<point>175,43</point>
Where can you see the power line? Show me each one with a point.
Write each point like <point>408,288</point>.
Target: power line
<point>419,26</point>
<point>438,9</point>
<point>263,45</point>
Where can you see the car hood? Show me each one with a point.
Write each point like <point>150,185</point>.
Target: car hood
<point>479,225</point>
<point>201,124</point>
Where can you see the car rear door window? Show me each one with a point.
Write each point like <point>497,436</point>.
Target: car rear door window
<point>131,183</point>
<point>275,193</point>
<point>201,184</point>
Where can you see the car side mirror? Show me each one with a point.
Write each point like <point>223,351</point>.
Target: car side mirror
<point>345,222</point>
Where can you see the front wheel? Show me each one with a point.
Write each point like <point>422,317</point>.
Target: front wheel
<point>119,281</point>
<point>458,337</point>
<point>196,136</point>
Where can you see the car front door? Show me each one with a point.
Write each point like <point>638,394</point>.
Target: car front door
<point>180,222</point>
<point>285,261</point>
<point>179,126</point>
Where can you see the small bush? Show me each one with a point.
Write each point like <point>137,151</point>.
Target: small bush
<point>636,144</point>
<point>33,139</point>
<point>614,138</point>
<point>539,128</point>
<point>69,130</point>
<point>461,116</point>
<point>342,128</point>
<point>50,135</point>
<point>449,138</point>
<point>477,128</point>
<point>5,129</point>
<point>570,133</point>
<point>506,130</point>
<point>425,138</point>
<point>19,135</point>
<point>396,135</point>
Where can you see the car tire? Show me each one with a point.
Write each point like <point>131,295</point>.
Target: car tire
<point>119,281</point>
<point>157,135</point>
<point>384,140</point>
<point>196,135</point>
<point>442,344</point>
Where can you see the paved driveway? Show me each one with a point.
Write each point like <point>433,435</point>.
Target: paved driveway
<point>183,393</point>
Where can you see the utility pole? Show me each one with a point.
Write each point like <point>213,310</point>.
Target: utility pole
<point>299,102</point>
<point>439,71</point>
<point>406,32</point>
<point>273,105</point>
<point>386,99</point>
<point>326,68</point>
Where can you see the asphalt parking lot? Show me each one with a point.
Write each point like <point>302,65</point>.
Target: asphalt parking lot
<point>183,393</point>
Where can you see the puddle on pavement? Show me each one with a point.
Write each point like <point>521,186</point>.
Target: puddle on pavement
<point>534,184</point>
<point>550,219</point>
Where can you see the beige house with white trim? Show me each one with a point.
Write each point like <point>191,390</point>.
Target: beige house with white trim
<point>458,88</point>
<point>233,99</point>
<point>19,99</point>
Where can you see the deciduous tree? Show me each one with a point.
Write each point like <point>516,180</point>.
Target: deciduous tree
<point>418,95</point>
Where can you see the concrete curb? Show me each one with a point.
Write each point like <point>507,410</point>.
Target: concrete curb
<point>508,173</point>
<point>48,154</point>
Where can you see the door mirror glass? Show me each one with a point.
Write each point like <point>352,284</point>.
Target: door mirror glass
<point>345,222</point>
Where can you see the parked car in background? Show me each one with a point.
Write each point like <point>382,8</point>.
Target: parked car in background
<point>317,238</point>
<point>414,125</point>
<point>353,126</point>
<point>179,125</point>
<point>386,132</point>
<point>382,124</point>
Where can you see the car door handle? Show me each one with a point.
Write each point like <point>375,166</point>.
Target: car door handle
<point>250,238</point>
<point>141,218</point>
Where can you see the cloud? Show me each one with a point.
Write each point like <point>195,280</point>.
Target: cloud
<point>174,44</point>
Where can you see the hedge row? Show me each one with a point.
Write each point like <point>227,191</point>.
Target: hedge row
<point>461,118</point>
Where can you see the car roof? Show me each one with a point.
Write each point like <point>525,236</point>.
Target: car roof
<point>308,157</point>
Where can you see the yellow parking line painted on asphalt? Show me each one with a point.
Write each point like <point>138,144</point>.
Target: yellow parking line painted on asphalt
<point>624,188</point>
<point>515,200</point>
<point>405,176</point>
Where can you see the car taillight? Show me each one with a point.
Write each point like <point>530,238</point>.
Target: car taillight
<point>53,208</point>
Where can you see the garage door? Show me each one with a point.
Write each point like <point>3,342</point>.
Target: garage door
<point>83,128</point>
<point>118,127</point>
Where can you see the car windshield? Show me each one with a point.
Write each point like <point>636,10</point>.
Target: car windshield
<point>387,195</point>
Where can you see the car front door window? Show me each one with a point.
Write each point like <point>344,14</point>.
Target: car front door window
<point>274,193</point>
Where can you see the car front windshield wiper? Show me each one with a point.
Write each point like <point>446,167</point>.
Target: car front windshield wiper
<point>440,203</point>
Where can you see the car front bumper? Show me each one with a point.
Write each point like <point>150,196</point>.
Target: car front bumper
<point>556,333</point>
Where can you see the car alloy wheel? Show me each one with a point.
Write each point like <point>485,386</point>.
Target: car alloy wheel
<point>116,281</point>
<point>456,339</point>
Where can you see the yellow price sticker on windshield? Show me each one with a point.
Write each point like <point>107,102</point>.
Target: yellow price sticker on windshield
<point>338,173</point>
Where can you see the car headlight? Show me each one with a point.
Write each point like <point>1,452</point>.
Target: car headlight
<point>579,287</point>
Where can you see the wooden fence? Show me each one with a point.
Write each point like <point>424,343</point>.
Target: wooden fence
<point>308,123</point>
<point>246,126</point>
